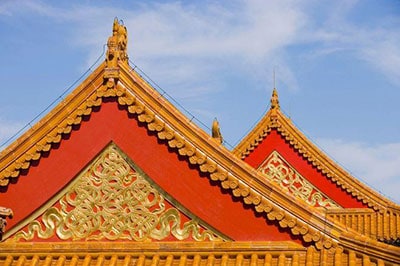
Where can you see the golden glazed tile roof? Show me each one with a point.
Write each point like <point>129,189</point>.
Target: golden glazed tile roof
<point>113,182</point>
<point>276,120</point>
<point>173,129</point>
<point>193,144</point>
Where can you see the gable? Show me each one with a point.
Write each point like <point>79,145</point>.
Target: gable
<point>274,142</point>
<point>279,171</point>
<point>112,199</point>
<point>209,186</point>
<point>112,122</point>
<point>364,210</point>
<point>320,169</point>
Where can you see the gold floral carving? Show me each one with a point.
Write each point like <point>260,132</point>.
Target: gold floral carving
<point>277,170</point>
<point>112,201</point>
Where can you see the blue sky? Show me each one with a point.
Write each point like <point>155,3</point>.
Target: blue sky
<point>337,66</point>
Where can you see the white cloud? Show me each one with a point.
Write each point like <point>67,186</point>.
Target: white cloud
<point>378,165</point>
<point>182,30</point>
<point>215,36</point>
<point>246,34</point>
<point>375,44</point>
<point>384,54</point>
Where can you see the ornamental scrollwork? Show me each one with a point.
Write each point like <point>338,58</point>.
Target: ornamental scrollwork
<point>112,201</point>
<point>277,170</point>
<point>4,213</point>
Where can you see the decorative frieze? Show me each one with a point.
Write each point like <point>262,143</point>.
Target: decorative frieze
<point>279,171</point>
<point>111,200</point>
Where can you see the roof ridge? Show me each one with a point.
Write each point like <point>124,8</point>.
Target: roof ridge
<point>251,195</point>
<point>186,139</point>
<point>249,187</point>
<point>275,119</point>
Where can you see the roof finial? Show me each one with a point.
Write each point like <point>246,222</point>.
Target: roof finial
<point>117,52</point>
<point>117,45</point>
<point>274,78</point>
<point>216,132</point>
<point>275,99</point>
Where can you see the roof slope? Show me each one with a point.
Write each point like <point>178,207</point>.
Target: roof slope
<point>113,199</point>
<point>114,82</point>
<point>276,121</point>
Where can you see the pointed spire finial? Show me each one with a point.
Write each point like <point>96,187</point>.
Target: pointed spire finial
<point>216,132</point>
<point>274,78</point>
<point>275,100</point>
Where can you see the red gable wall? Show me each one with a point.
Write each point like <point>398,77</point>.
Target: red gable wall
<point>274,141</point>
<point>163,165</point>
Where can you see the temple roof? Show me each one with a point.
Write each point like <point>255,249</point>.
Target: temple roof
<point>276,120</point>
<point>115,104</point>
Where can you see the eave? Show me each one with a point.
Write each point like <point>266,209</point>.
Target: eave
<point>49,130</point>
<point>276,120</point>
<point>172,128</point>
<point>232,253</point>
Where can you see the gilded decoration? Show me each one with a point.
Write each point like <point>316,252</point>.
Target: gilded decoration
<point>117,45</point>
<point>274,100</point>
<point>4,213</point>
<point>281,172</point>
<point>216,131</point>
<point>112,201</point>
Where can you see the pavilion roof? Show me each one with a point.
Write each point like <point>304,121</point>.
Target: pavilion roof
<point>115,81</point>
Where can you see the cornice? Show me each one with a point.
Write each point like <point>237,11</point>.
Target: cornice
<point>172,128</point>
<point>225,253</point>
<point>163,247</point>
<point>275,119</point>
<point>156,253</point>
<point>371,247</point>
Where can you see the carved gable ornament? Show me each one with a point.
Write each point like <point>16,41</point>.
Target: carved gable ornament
<point>112,199</point>
<point>278,171</point>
